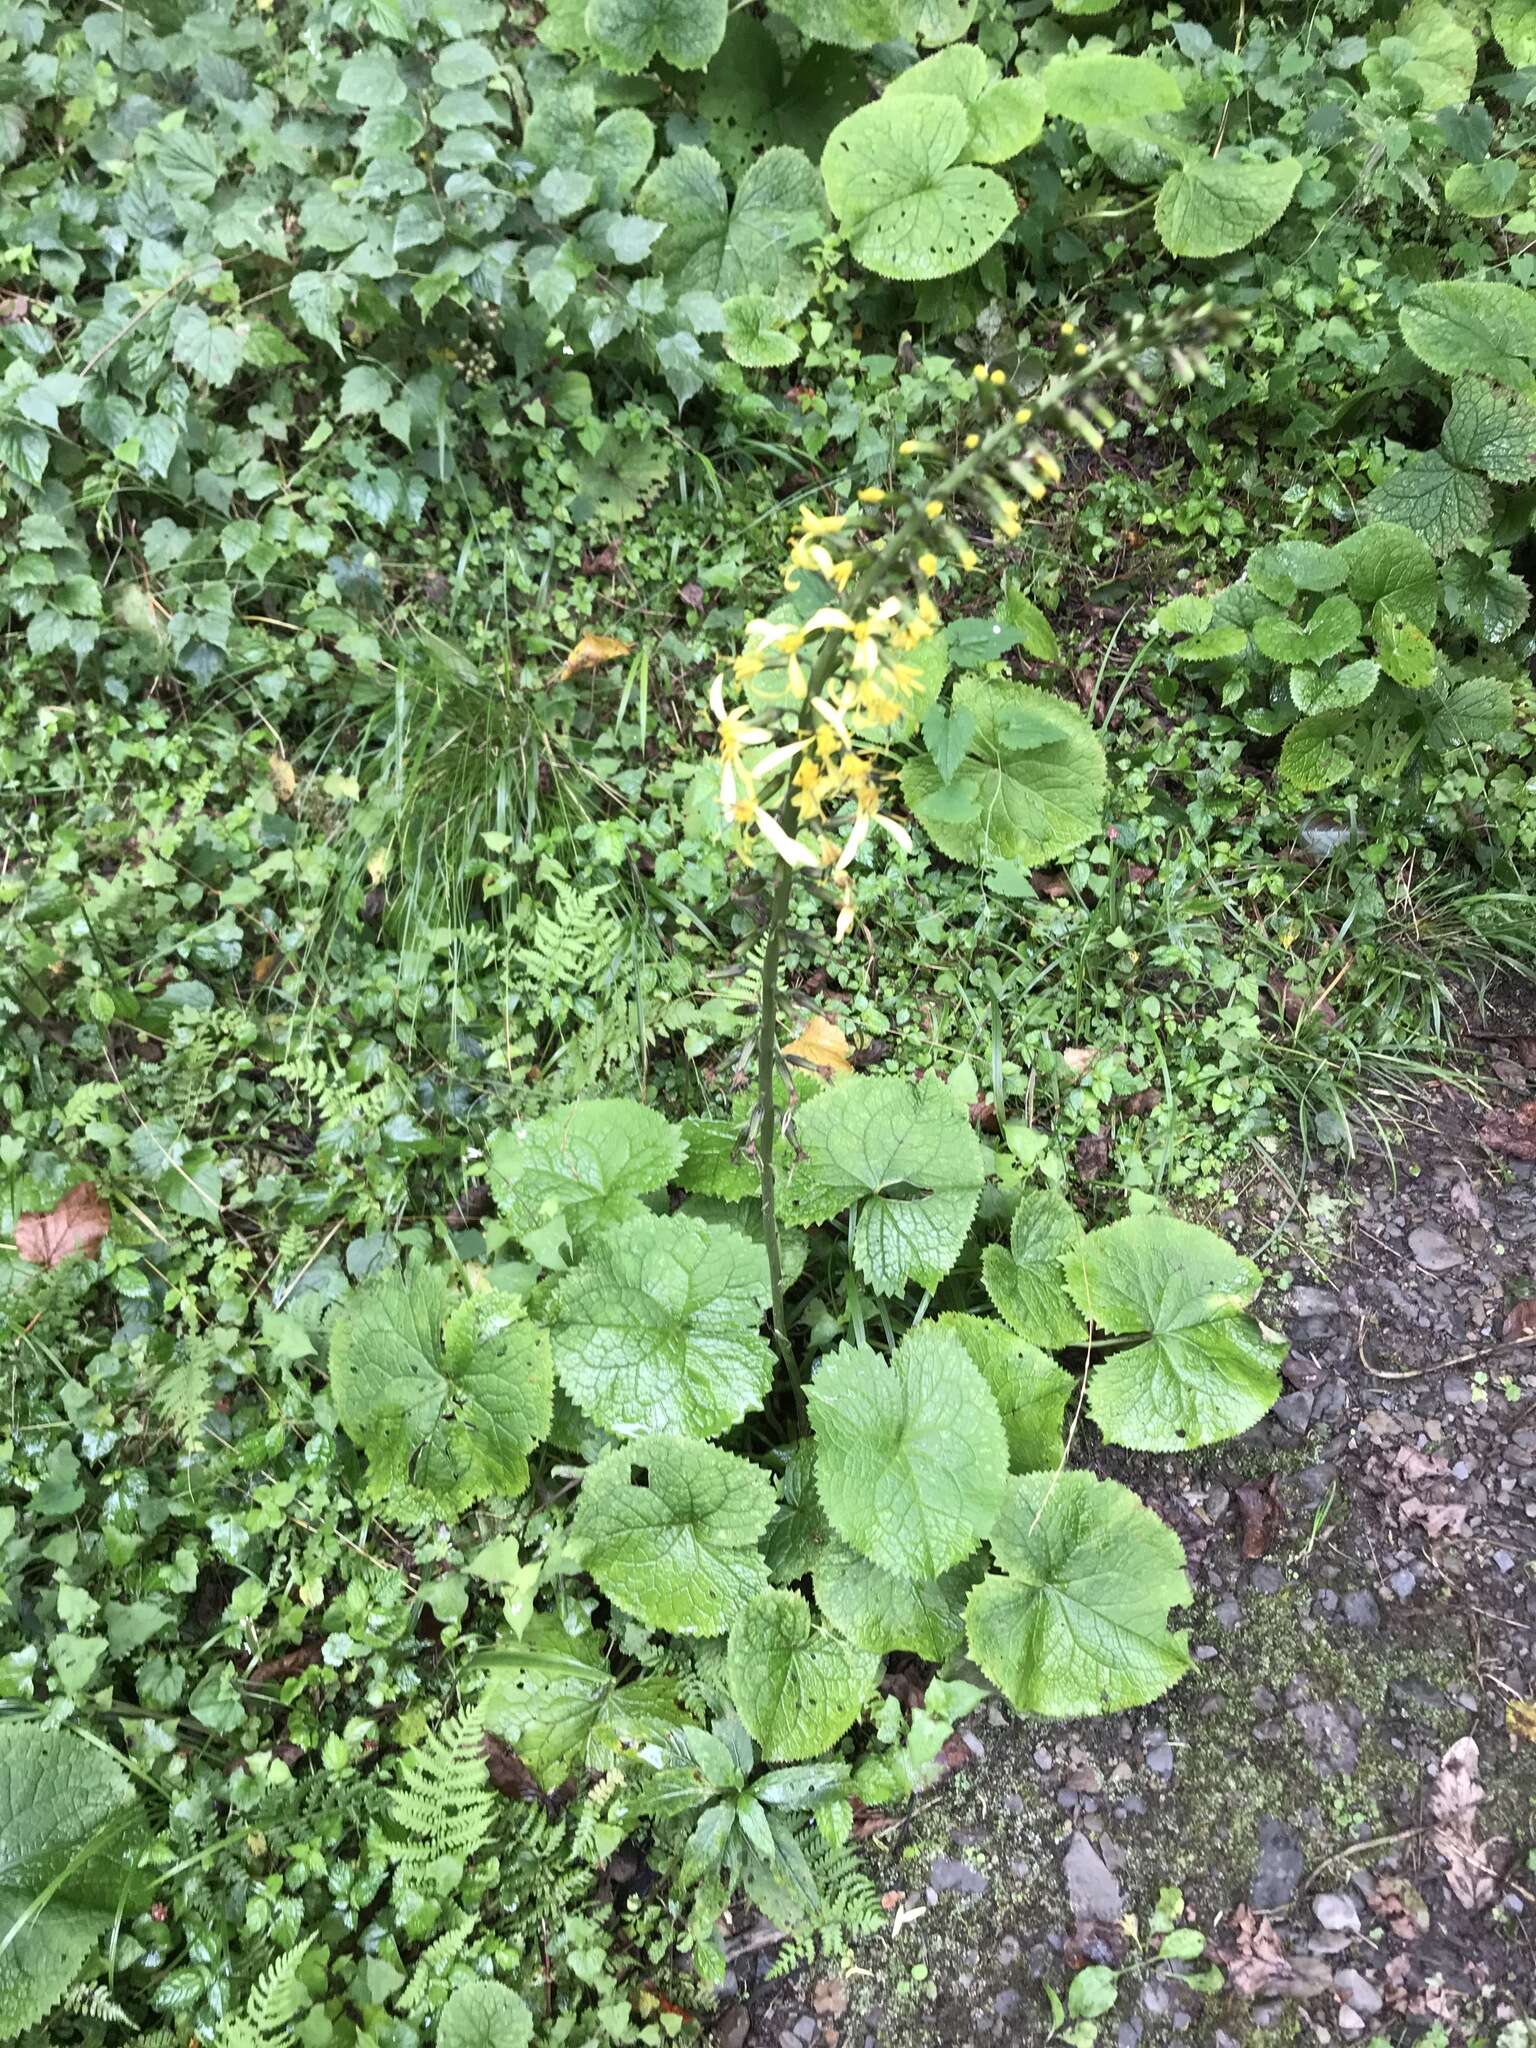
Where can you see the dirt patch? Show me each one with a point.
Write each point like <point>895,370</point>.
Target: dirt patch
<point>1344,1791</point>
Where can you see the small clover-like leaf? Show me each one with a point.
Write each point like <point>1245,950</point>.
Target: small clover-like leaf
<point>909,203</point>
<point>911,1455</point>
<point>630,34</point>
<point>449,1412</point>
<point>1031,1390</point>
<point>669,1529</point>
<point>797,1686</point>
<point>1075,1620</point>
<point>656,1331</point>
<point>905,1153</point>
<point>880,1612</point>
<point>1212,205</point>
<point>587,1165</point>
<point>1031,785</point>
<point>1026,1282</point>
<point>1204,1371</point>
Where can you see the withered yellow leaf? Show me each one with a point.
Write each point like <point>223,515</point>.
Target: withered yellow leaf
<point>284,780</point>
<point>591,651</point>
<point>1520,1719</point>
<point>821,1045</point>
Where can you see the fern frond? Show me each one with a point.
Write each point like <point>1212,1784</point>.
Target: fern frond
<point>443,1803</point>
<point>434,1961</point>
<point>182,1394</point>
<point>92,2002</point>
<point>275,2001</point>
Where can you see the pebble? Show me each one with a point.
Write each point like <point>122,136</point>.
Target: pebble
<point>1361,1610</point>
<point>1279,1867</point>
<point>1312,1301</point>
<point>1358,1992</point>
<point>1337,1912</point>
<point>1160,1760</point>
<point>1294,1411</point>
<point>1266,1578</point>
<point>1433,1250</point>
<point>1092,1892</point>
<point>1404,1583</point>
<point>949,1874</point>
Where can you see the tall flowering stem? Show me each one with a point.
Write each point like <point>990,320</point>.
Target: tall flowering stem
<point>800,754</point>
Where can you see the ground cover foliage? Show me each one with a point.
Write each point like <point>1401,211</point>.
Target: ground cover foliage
<point>703,710</point>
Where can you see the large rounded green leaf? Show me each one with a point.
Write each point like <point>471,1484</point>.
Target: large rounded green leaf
<point>1108,90</point>
<point>1442,504</point>
<point>797,1686</point>
<point>1389,568</point>
<point>484,2015</point>
<point>656,1331</point>
<point>1002,115</point>
<point>880,1612</point>
<point>752,244</point>
<point>587,1165</point>
<point>910,1456</point>
<point>1075,1620</point>
<point>1031,1390</point>
<point>669,1529</point>
<point>1212,205</point>
<point>850,24</point>
<point>1030,787</point>
<point>630,34</point>
<point>70,1833</point>
<point>1026,1282</point>
<point>905,1153</point>
<point>1491,430</point>
<point>1472,328</point>
<point>1205,1370</point>
<point>909,204</point>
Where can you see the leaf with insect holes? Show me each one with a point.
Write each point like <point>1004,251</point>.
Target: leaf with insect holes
<point>73,1228</point>
<point>445,1405</point>
<point>1030,787</point>
<point>797,1686</point>
<point>1031,1390</point>
<point>904,1154</point>
<point>1075,1618</point>
<point>1026,1282</point>
<point>73,1833</point>
<point>848,24</point>
<point>669,1529</point>
<point>587,1165</point>
<point>880,1612</point>
<point>911,1454</point>
<point>910,204</point>
<point>657,1329</point>
<point>1213,205</point>
<point>1204,1370</point>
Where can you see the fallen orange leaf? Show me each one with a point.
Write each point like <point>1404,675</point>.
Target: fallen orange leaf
<point>823,1046</point>
<point>591,651</point>
<point>77,1222</point>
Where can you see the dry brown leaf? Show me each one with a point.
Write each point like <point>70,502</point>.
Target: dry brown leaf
<point>821,1045</point>
<point>1520,1322</point>
<point>1080,1058</point>
<point>1440,1518</point>
<point>1256,1958</point>
<point>1457,1794</point>
<point>1263,1517</point>
<point>1520,1719</point>
<point>284,780</point>
<point>1511,1131</point>
<point>592,650</point>
<point>76,1223</point>
<point>1401,1905</point>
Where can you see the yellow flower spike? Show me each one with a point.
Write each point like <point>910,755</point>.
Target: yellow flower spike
<point>980,373</point>
<point>969,558</point>
<point>972,441</point>
<point>999,377</point>
<point>1047,464</point>
<point>909,447</point>
<point>928,562</point>
<point>1023,416</point>
<point>934,508</point>
<point>872,495</point>
<point>815,523</point>
<point>1034,489</point>
<point>927,610</point>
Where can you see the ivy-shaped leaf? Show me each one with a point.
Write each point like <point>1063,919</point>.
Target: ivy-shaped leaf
<point>1026,1282</point>
<point>797,1686</point>
<point>1477,711</point>
<point>553,1697</point>
<point>1002,115</point>
<point>911,1455</point>
<point>1031,786</point>
<point>587,1166</point>
<point>909,204</point>
<point>669,1529</point>
<point>656,1331</point>
<point>449,1409</point>
<point>1487,597</point>
<point>1075,1620</point>
<point>71,1830</point>
<point>1031,1390</point>
<point>881,1613</point>
<point>629,35</point>
<point>753,335</point>
<point>1473,328</point>
<point>1212,205</point>
<point>1205,1371</point>
<point>747,247</point>
<point>905,1153</point>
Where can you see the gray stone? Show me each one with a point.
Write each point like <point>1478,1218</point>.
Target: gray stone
<point>1327,1735</point>
<point>1312,1301</point>
<point>1433,1250</point>
<point>1358,1992</point>
<point>1160,1760</point>
<point>1266,1578</point>
<point>1294,1411</point>
<point>949,1874</point>
<point>1361,1610</point>
<point>1404,1583</point>
<point>1092,1891</point>
<point>1337,1912</point>
<point>1279,1867</point>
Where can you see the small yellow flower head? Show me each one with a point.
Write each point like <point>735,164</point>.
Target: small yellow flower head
<point>999,377</point>
<point>1080,349</point>
<point>934,508</point>
<point>872,495</point>
<point>980,373</point>
<point>1068,328</point>
<point>1047,464</point>
<point>972,441</point>
<point>968,558</point>
<point>1034,489</point>
<point>928,562</point>
<point>909,447</point>
<point>1023,416</point>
